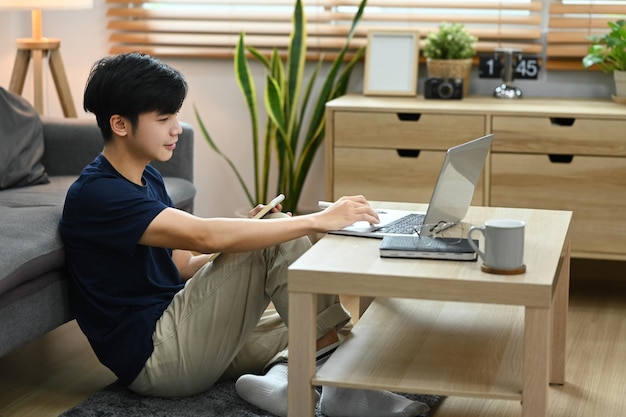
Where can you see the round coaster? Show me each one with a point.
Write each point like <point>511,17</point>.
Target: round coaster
<point>618,99</point>
<point>491,270</point>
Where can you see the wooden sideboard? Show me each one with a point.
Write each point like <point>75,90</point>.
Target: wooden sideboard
<point>559,154</point>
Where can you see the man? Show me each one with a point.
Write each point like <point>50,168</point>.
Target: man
<point>166,321</point>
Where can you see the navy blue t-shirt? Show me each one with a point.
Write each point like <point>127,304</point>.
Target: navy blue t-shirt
<point>119,288</point>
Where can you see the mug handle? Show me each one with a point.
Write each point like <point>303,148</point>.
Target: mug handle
<point>471,241</point>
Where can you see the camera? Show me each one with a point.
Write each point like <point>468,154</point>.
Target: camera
<point>443,88</point>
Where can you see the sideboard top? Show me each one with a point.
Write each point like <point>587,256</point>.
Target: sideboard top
<point>484,105</point>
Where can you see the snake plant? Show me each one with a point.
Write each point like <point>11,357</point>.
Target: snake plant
<point>287,139</point>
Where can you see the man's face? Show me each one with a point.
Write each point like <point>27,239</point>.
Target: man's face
<point>155,135</point>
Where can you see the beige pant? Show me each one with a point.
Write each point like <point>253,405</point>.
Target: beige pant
<point>217,327</point>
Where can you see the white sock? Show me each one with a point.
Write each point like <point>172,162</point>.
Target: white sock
<point>347,402</point>
<point>269,391</point>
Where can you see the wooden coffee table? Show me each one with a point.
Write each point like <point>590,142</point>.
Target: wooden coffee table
<point>438,327</point>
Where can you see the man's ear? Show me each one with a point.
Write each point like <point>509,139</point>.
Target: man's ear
<point>119,125</point>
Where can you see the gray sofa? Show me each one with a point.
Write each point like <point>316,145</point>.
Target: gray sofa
<point>33,275</point>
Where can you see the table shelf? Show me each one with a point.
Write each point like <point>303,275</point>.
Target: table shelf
<point>432,347</point>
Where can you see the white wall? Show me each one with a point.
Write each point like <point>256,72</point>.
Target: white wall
<point>214,91</point>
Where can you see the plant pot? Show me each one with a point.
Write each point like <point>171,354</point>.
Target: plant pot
<point>451,68</point>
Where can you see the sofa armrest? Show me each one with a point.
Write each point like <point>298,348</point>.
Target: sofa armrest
<point>71,144</point>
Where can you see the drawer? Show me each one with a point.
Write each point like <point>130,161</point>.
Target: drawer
<point>405,130</point>
<point>594,188</point>
<point>576,136</point>
<point>384,175</point>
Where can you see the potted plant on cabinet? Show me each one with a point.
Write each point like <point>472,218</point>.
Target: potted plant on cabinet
<point>449,53</point>
<point>608,52</point>
<point>287,138</point>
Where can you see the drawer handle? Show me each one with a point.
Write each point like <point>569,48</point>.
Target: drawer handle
<point>561,159</point>
<point>562,121</point>
<point>408,153</point>
<point>409,117</point>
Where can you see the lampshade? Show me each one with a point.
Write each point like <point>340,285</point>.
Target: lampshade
<point>36,6</point>
<point>39,47</point>
<point>45,4</point>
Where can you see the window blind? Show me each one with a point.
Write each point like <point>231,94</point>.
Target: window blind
<point>571,23</point>
<point>210,28</point>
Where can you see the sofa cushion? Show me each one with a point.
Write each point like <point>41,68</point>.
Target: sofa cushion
<point>180,190</point>
<point>31,244</point>
<point>29,218</point>
<point>21,143</point>
<point>51,194</point>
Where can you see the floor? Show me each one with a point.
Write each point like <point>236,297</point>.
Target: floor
<point>52,374</point>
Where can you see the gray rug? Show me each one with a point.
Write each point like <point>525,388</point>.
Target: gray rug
<point>221,400</point>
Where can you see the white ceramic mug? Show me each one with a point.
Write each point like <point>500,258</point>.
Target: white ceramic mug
<point>504,244</point>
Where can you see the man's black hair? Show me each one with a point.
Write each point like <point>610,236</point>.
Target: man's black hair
<point>132,84</point>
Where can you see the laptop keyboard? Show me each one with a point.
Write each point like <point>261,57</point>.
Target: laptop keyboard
<point>406,225</point>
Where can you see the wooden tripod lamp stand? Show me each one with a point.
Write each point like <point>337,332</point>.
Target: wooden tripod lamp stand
<point>38,48</point>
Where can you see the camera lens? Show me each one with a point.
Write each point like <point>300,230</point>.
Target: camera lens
<point>445,89</point>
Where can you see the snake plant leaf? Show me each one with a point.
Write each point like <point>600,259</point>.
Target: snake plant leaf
<point>309,88</point>
<point>245,81</point>
<point>268,146</point>
<point>341,86</point>
<point>274,104</point>
<point>296,61</point>
<point>217,150</point>
<point>279,137</point>
<point>316,139</point>
<point>328,85</point>
<point>315,134</point>
<point>259,56</point>
<point>295,124</point>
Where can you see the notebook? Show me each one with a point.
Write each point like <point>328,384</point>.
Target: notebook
<point>425,247</point>
<point>451,198</point>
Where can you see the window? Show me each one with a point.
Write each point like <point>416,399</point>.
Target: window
<point>210,28</point>
<point>571,23</point>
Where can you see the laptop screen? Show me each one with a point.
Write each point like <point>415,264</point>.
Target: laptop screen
<point>454,190</point>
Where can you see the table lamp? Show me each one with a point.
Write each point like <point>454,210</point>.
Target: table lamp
<point>39,47</point>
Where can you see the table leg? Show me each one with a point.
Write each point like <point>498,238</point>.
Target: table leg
<point>62,85</point>
<point>20,69</point>
<point>537,326</point>
<point>38,55</point>
<point>302,332</point>
<point>364,303</point>
<point>559,320</point>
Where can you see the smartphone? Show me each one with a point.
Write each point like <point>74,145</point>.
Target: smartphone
<point>269,206</point>
<point>266,209</point>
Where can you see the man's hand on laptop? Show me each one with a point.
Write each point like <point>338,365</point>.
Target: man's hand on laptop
<point>346,211</point>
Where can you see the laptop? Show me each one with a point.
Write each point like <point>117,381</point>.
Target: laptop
<point>451,198</point>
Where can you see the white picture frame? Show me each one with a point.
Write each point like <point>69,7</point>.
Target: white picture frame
<point>391,63</point>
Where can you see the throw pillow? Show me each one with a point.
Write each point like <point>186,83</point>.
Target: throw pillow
<point>21,143</point>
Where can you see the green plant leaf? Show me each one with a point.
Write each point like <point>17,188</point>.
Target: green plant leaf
<point>287,140</point>
<point>259,57</point>
<point>213,145</point>
<point>450,41</point>
<point>274,104</point>
<point>315,134</point>
<point>246,84</point>
<point>608,50</point>
<point>296,61</point>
